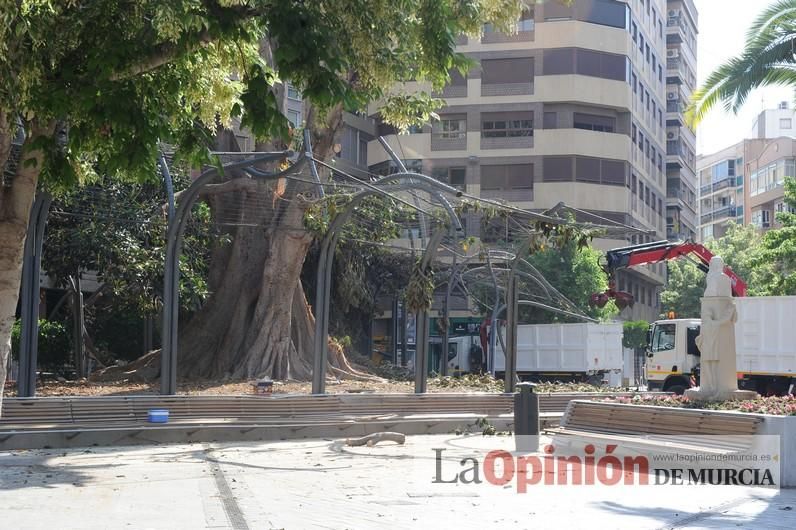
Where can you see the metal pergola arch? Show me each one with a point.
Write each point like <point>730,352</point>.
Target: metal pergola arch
<point>176,228</point>
<point>406,181</point>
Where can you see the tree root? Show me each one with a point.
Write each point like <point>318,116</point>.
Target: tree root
<point>372,439</point>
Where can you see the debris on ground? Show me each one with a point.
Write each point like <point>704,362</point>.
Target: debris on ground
<point>372,439</point>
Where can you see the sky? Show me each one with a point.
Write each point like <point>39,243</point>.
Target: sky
<point>722,31</point>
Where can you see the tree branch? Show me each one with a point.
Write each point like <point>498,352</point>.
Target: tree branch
<point>162,54</point>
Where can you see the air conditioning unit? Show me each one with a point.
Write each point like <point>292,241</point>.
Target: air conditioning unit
<point>672,53</point>
<point>670,136</point>
<point>671,95</point>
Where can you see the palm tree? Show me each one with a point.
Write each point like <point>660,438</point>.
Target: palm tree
<point>769,58</point>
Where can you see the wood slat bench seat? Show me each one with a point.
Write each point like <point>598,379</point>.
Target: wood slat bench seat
<point>688,429</point>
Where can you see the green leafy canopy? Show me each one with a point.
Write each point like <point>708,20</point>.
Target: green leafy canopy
<point>121,76</point>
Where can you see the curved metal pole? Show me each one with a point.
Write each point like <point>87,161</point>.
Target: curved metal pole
<point>171,279</point>
<point>164,170</point>
<point>443,364</point>
<point>423,321</point>
<point>326,259</point>
<point>402,168</point>
<point>313,167</point>
<point>31,267</point>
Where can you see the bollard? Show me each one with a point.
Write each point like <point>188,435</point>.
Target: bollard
<point>526,418</point>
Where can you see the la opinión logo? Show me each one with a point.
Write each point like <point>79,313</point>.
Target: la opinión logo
<point>502,468</point>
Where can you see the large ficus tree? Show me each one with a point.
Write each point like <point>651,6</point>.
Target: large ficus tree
<point>94,85</point>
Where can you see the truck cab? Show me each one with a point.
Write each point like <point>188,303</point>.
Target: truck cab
<point>672,355</point>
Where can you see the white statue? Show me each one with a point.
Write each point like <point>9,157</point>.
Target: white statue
<point>716,341</point>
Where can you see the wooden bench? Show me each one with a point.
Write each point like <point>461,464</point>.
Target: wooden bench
<point>682,429</point>
<point>116,410</point>
<point>40,411</point>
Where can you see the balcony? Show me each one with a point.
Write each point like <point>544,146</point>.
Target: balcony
<point>507,89</point>
<point>507,142</point>
<point>510,195</point>
<point>676,30</point>
<point>452,91</point>
<point>498,37</point>
<point>725,212</point>
<point>673,105</point>
<point>717,186</point>
<point>448,141</point>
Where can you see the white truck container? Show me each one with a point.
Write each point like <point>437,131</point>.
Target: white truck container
<point>765,342</point>
<point>565,352</point>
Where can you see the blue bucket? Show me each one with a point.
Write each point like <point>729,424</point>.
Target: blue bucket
<point>158,416</point>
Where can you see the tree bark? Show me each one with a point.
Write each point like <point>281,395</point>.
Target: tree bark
<point>257,321</point>
<point>15,204</point>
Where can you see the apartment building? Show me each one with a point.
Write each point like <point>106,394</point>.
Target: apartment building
<point>744,182</point>
<point>773,123</point>
<point>721,191</point>
<point>681,180</point>
<point>573,108</point>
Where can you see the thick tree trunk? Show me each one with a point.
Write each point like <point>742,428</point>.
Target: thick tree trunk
<point>257,321</point>
<point>15,203</point>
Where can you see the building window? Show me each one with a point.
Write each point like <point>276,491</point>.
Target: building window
<point>453,176</point>
<point>550,120</point>
<point>633,133</point>
<point>555,11</point>
<point>504,71</point>
<point>362,153</point>
<point>561,61</point>
<point>451,128</point>
<point>557,169</point>
<point>292,92</point>
<point>506,125</point>
<point>526,22</point>
<point>600,171</point>
<point>593,122</point>
<point>635,82</point>
<point>294,117</point>
<point>606,13</point>
<point>761,218</point>
<point>785,123</point>
<point>634,31</point>
<point>507,177</point>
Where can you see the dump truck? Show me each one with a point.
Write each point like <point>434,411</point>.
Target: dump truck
<point>765,342</point>
<point>583,352</point>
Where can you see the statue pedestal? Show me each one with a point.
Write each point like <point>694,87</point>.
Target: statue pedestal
<point>698,394</point>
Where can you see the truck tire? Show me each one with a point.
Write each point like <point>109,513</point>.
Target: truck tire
<point>677,389</point>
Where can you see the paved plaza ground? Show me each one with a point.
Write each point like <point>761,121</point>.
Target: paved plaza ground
<point>324,484</point>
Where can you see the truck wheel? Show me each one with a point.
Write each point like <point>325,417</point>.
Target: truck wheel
<point>677,389</point>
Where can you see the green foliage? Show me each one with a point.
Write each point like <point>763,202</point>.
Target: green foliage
<point>774,405</point>
<point>420,291</point>
<point>575,273</point>
<point>767,59</point>
<point>122,76</point>
<point>117,230</point>
<point>116,330</point>
<point>634,334</point>
<point>778,249</point>
<point>54,347</point>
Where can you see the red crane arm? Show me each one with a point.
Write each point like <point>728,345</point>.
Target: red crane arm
<point>664,251</point>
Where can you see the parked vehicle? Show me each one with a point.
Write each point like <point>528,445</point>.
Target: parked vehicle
<point>765,341</point>
<point>565,352</point>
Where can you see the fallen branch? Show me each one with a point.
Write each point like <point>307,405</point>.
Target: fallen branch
<point>372,439</point>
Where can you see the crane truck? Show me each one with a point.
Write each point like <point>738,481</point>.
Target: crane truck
<point>765,338</point>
